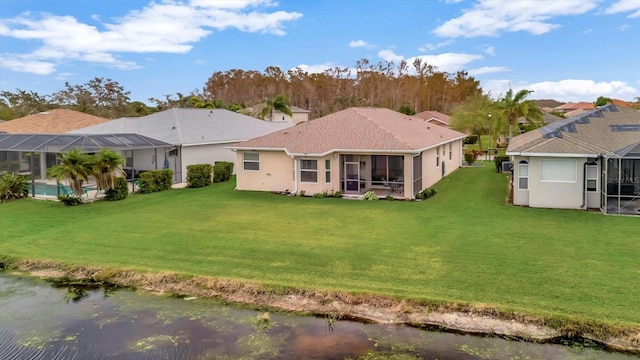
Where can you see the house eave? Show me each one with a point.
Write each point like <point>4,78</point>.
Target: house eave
<point>537,154</point>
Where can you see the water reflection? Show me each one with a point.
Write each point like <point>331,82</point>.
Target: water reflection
<point>38,321</point>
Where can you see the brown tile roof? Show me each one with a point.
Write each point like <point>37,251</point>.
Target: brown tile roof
<point>579,105</point>
<point>55,121</point>
<point>592,132</point>
<point>430,115</point>
<point>356,129</point>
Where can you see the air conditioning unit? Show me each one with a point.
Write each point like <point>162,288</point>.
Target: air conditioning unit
<point>506,166</point>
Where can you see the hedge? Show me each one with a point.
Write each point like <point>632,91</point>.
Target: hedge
<point>222,171</point>
<point>199,175</point>
<point>155,180</point>
<point>119,192</point>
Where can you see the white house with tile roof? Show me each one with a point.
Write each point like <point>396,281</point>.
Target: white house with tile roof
<point>351,151</point>
<point>198,135</point>
<point>591,160</point>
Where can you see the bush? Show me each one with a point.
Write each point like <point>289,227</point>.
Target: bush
<point>12,187</point>
<point>70,200</point>
<point>222,171</point>
<point>470,158</point>
<point>497,160</point>
<point>336,194</point>
<point>389,197</point>
<point>155,180</point>
<point>119,192</point>
<point>323,194</point>
<point>426,193</point>
<point>199,175</point>
<point>471,139</point>
<point>370,195</point>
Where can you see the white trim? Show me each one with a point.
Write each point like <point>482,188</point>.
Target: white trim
<point>512,153</point>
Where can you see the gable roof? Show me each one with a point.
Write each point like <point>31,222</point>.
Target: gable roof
<point>579,105</point>
<point>57,121</point>
<point>608,130</point>
<point>190,126</point>
<point>356,130</point>
<point>434,115</point>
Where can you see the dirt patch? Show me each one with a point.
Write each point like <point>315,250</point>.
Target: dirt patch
<point>476,319</point>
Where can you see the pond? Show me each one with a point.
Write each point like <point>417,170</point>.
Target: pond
<point>39,321</point>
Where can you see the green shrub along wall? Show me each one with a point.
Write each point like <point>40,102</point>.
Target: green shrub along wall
<point>199,175</point>
<point>119,192</point>
<point>155,180</point>
<point>222,171</point>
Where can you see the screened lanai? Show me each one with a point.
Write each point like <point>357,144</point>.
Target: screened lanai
<point>621,182</point>
<point>32,154</point>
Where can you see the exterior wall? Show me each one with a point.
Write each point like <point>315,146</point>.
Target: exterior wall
<point>206,154</point>
<point>296,118</point>
<point>275,174</point>
<point>432,173</point>
<point>562,195</point>
<point>520,197</point>
<point>321,185</point>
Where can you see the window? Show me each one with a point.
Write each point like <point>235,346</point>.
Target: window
<point>523,175</point>
<point>558,170</point>
<point>251,161</point>
<point>308,170</point>
<point>592,177</point>
<point>450,150</point>
<point>327,171</point>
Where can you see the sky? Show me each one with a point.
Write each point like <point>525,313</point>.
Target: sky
<point>567,50</point>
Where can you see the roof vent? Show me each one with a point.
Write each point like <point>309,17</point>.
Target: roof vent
<point>43,113</point>
<point>173,128</point>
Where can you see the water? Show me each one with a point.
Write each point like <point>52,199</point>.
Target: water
<point>38,321</point>
<point>50,189</point>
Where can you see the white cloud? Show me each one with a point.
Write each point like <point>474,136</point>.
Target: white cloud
<point>165,27</point>
<point>315,69</point>
<point>625,6</point>
<point>358,43</point>
<point>490,50</point>
<point>624,27</point>
<point>453,1</point>
<point>487,70</point>
<point>431,47</point>
<point>566,90</point>
<point>28,66</point>
<point>388,55</point>
<point>447,62</point>
<point>491,17</point>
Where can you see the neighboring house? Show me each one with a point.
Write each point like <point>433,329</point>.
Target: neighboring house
<point>573,109</point>
<point>298,115</point>
<point>546,118</point>
<point>57,121</point>
<point>434,117</point>
<point>351,151</point>
<point>198,135</point>
<point>588,161</point>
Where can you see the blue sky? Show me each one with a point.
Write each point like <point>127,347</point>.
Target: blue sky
<point>568,50</point>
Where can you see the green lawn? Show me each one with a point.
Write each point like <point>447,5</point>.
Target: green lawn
<point>464,245</point>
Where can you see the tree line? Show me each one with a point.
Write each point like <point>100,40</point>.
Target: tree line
<point>404,87</point>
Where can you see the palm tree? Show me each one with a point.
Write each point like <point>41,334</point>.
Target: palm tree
<point>107,165</point>
<point>279,103</point>
<point>74,166</point>
<point>471,116</point>
<point>512,107</point>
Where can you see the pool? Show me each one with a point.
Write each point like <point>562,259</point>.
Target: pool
<point>50,189</point>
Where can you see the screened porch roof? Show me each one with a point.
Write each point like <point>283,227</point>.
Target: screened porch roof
<point>55,143</point>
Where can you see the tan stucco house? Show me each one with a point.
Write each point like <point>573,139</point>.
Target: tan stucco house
<point>434,117</point>
<point>351,151</point>
<point>591,160</point>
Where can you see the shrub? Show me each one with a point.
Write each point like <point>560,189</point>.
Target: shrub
<point>12,187</point>
<point>155,180</point>
<point>70,200</point>
<point>370,195</point>
<point>336,194</point>
<point>119,192</point>
<point>389,197</point>
<point>497,160</point>
<point>323,194</point>
<point>426,193</point>
<point>222,171</point>
<point>199,175</point>
<point>471,139</point>
<point>470,158</point>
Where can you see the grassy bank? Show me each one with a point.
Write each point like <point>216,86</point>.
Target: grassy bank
<point>462,246</point>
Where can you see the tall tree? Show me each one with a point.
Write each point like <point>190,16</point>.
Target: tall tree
<point>472,116</point>
<point>602,100</point>
<point>512,107</point>
<point>22,103</point>
<point>279,103</point>
<point>99,96</point>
